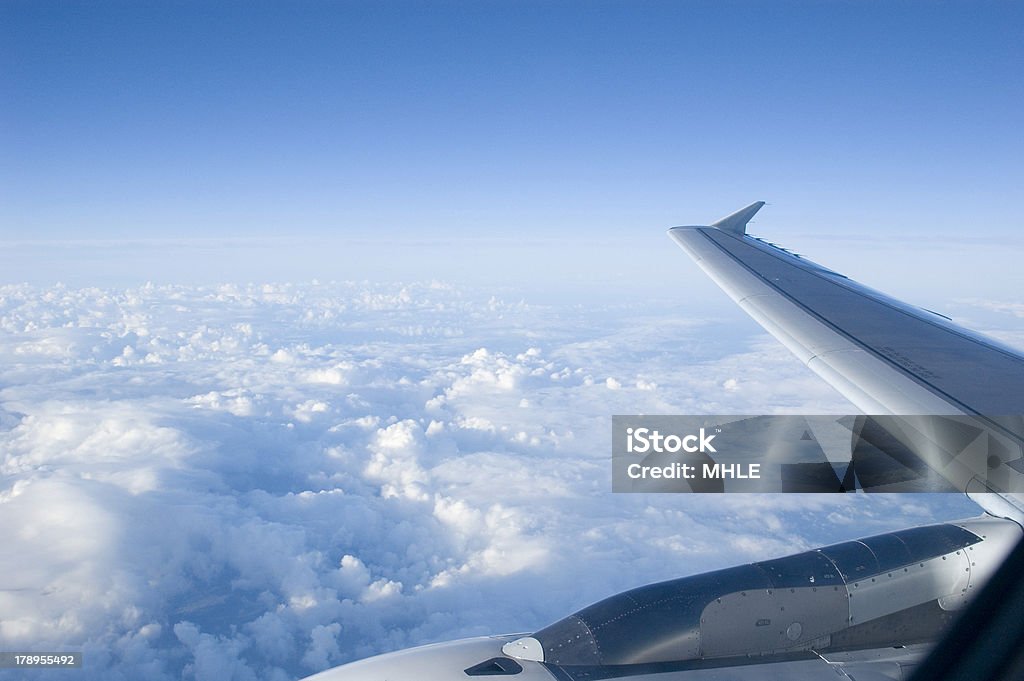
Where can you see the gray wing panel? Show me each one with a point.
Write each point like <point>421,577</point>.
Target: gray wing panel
<point>889,358</point>
<point>884,355</point>
<point>880,664</point>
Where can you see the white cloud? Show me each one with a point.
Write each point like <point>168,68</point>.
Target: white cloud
<point>255,482</point>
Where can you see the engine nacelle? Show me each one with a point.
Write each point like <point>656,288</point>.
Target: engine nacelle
<point>886,590</point>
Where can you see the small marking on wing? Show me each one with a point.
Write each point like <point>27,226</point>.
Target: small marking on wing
<point>906,362</point>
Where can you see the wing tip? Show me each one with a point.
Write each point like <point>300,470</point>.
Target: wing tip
<point>736,223</point>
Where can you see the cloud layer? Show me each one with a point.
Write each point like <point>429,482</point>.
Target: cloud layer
<point>262,481</point>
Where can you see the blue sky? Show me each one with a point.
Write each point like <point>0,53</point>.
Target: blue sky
<point>158,120</point>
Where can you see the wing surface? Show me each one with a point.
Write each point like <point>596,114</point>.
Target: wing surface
<point>876,664</point>
<point>885,356</point>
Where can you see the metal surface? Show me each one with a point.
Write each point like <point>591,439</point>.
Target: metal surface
<point>777,606</point>
<point>988,641</point>
<point>938,355</point>
<point>930,365</point>
<point>885,356</point>
<point>438,662</point>
<point>887,664</point>
<point>772,620</point>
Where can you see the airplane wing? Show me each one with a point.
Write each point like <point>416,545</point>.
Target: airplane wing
<point>885,356</point>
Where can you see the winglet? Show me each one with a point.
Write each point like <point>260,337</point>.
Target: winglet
<point>737,222</point>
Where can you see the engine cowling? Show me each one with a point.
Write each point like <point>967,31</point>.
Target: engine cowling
<point>890,589</point>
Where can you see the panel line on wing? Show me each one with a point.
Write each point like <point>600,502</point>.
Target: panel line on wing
<point>857,341</point>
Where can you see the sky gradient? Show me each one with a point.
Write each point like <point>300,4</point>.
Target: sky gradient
<point>145,120</point>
